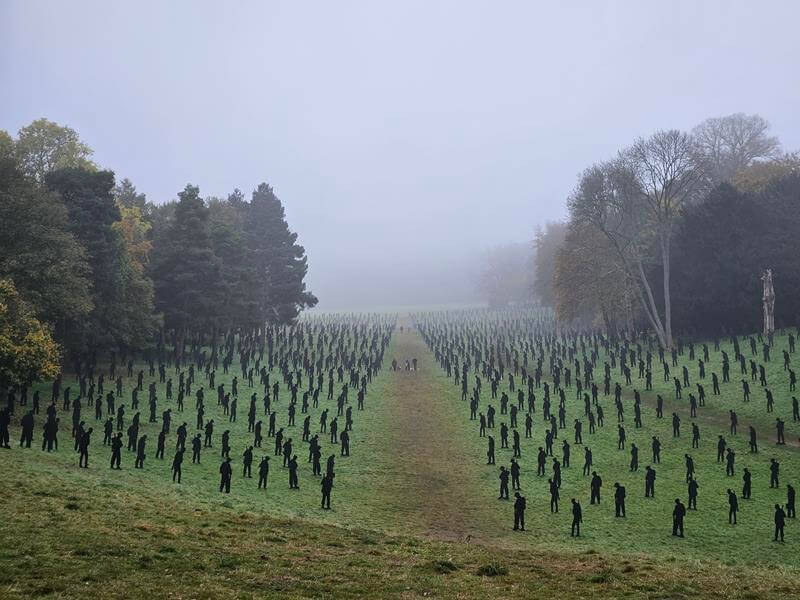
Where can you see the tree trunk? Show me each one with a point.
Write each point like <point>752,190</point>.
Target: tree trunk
<point>180,339</point>
<point>628,312</point>
<point>648,303</point>
<point>650,307</point>
<point>606,319</point>
<point>665,247</point>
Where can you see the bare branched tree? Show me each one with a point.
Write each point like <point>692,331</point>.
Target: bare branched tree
<point>635,202</point>
<point>669,175</point>
<point>547,241</point>
<point>729,144</point>
<point>609,199</point>
<point>588,282</point>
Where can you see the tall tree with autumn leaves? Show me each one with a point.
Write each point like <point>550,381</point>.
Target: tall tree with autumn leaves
<point>122,313</point>
<point>100,269</point>
<point>28,351</point>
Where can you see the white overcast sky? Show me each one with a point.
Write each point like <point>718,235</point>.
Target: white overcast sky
<point>403,137</point>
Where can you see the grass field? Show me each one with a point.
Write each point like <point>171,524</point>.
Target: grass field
<point>647,528</point>
<point>414,508</point>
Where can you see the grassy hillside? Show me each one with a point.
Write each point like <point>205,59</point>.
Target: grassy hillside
<point>124,542</point>
<point>414,507</point>
<point>647,528</point>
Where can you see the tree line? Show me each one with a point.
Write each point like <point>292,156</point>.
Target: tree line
<point>89,266</point>
<point>673,233</point>
<point>505,275</point>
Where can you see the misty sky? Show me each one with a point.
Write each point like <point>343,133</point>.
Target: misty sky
<point>403,137</point>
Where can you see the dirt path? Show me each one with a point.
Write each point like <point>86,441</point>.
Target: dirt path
<point>434,485</point>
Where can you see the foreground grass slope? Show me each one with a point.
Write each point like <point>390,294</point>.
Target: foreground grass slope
<point>414,512</point>
<point>103,542</point>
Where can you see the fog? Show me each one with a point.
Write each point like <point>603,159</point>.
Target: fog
<point>403,138</point>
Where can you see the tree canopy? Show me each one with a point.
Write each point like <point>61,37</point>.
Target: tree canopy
<point>44,146</point>
<point>714,205</point>
<point>186,272</point>
<point>39,252</point>
<point>91,260</point>
<point>27,349</point>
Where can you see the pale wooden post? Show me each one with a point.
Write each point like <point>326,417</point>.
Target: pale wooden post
<point>768,299</point>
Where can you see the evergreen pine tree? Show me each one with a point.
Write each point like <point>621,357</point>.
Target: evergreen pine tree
<point>280,263</point>
<point>186,272</point>
<point>38,252</point>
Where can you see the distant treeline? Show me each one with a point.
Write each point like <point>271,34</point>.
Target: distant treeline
<point>88,266</point>
<point>674,233</point>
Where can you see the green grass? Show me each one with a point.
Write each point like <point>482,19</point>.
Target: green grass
<point>414,508</point>
<point>355,476</point>
<point>130,543</point>
<point>647,528</point>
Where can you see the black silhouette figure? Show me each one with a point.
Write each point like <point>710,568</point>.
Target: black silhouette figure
<point>678,514</point>
<point>577,519</point>
<point>519,512</point>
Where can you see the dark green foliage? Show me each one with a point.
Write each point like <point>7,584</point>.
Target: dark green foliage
<point>226,264</point>
<point>122,311</point>
<point>161,217</point>
<point>38,252</point>
<point>186,272</point>
<point>103,267</point>
<point>782,245</point>
<point>127,196</point>
<point>722,247</point>
<point>279,262</point>
<point>226,226</point>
